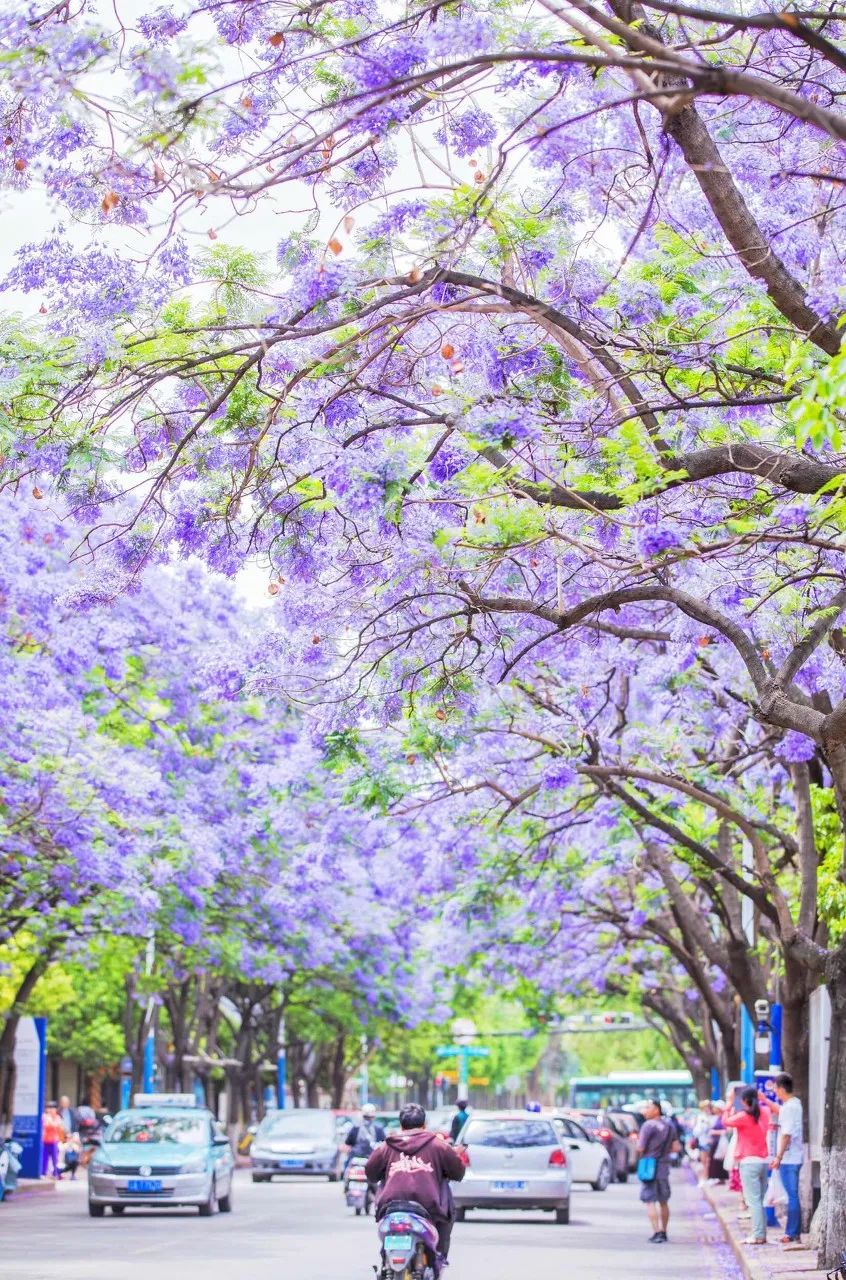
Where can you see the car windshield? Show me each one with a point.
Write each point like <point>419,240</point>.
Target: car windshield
<point>182,1131</point>
<point>509,1133</point>
<point>293,1127</point>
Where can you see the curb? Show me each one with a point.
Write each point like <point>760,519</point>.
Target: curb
<point>27,1187</point>
<point>743,1260</point>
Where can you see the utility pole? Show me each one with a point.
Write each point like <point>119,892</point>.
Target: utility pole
<point>149,1071</point>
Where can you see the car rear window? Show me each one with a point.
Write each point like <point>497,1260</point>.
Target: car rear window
<point>509,1133</point>
<point>590,1123</point>
<point>624,1121</point>
<point>294,1127</point>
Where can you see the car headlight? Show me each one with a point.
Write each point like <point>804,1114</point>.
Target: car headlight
<point>258,1151</point>
<point>100,1165</point>
<point>197,1165</point>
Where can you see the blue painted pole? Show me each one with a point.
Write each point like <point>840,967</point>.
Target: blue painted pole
<point>281,1067</point>
<point>776,1016</point>
<point>150,1062</point>
<point>716,1090</point>
<point>747,1046</point>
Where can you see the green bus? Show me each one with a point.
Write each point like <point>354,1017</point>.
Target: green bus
<point>621,1087</point>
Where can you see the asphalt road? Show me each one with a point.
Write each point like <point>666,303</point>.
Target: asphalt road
<point>301,1230</point>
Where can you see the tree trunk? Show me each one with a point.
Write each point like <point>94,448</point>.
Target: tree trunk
<point>832,1238</point>
<point>339,1071</point>
<point>796,987</point>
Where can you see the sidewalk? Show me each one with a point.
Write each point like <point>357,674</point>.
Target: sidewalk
<point>32,1187</point>
<point>760,1262</point>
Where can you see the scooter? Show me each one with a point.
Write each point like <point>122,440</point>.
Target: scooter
<point>10,1166</point>
<point>409,1243</point>
<point>357,1190</point>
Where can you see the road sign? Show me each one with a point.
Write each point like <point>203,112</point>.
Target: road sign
<point>450,1076</point>
<point>479,1080</point>
<point>459,1050</point>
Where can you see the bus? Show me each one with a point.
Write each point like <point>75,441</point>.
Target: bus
<point>619,1088</point>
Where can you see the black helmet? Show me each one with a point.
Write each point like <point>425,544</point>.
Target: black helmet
<point>412,1116</point>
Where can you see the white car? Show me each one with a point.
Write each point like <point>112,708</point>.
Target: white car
<point>514,1161</point>
<point>589,1161</point>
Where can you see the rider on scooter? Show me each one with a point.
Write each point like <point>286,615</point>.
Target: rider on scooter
<point>362,1139</point>
<point>416,1164</point>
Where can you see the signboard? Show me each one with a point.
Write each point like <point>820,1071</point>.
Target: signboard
<point>479,1080</point>
<point>28,1102</point>
<point>820,1036</point>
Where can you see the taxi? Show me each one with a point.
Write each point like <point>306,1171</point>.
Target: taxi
<point>165,1150</point>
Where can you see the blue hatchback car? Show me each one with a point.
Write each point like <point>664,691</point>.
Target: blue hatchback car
<point>164,1151</point>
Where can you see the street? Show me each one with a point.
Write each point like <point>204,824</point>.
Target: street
<point>301,1230</point>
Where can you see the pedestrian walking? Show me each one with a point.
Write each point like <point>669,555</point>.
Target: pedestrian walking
<point>700,1137</point>
<point>657,1141</point>
<point>751,1123</point>
<point>790,1153</point>
<point>52,1133</point>
<point>460,1118</point>
<point>718,1146</point>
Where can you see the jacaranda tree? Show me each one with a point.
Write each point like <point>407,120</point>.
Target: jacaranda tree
<point>547,369</point>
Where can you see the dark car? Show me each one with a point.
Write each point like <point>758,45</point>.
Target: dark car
<point>600,1125</point>
<point>628,1123</point>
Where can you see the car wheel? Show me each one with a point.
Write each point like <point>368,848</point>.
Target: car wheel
<point>563,1215</point>
<point>224,1204</point>
<point>261,1177</point>
<point>333,1177</point>
<point>604,1178</point>
<point>623,1175</point>
<point>96,1210</point>
<point>460,1215</point>
<point>207,1209</point>
<point>118,1209</point>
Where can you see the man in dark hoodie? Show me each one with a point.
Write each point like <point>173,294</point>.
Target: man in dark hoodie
<point>418,1165</point>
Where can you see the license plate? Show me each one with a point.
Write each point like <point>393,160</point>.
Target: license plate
<point>398,1242</point>
<point>144,1184</point>
<point>290,1164</point>
<point>508,1186</point>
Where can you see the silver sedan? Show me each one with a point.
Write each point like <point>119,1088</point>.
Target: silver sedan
<point>514,1161</point>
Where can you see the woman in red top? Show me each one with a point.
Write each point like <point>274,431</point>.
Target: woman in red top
<point>52,1133</point>
<point>752,1157</point>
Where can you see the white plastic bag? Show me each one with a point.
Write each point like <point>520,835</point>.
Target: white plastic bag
<point>776,1194</point>
<point>728,1158</point>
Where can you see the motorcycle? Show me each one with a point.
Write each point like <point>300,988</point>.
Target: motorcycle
<point>10,1166</point>
<point>357,1190</point>
<point>409,1243</point>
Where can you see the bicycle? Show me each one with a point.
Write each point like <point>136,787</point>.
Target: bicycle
<point>839,1273</point>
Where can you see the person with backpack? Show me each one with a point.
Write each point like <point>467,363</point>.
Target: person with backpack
<point>657,1141</point>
